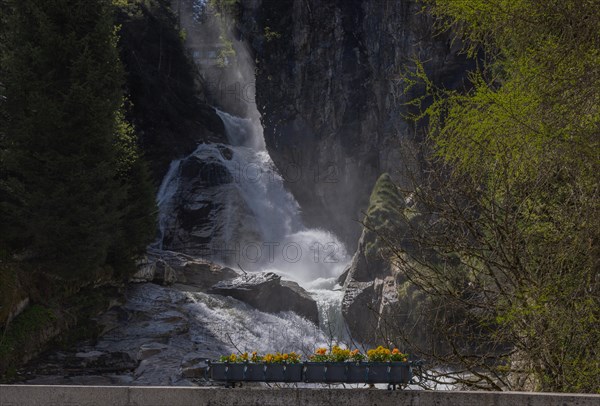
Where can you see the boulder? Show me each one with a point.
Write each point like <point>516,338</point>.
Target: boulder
<point>204,274</point>
<point>188,270</point>
<point>154,270</point>
<point>267,292</point>
<point>194,366</point>
<point>148,350</point>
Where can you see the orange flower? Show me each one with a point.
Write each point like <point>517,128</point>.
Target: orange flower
<point>321,351</point>
<point>395,351</point>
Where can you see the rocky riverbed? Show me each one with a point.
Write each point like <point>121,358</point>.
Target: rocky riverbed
<point>166,331</point>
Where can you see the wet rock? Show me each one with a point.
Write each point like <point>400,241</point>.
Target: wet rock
<point>196,272</point>
<point>370,290</point>
<point>154,270</point>
<point>205,204</point>
<point>150,349</point>
<point>331,100</point>
<point>267,292</point>
<point>194,369</point>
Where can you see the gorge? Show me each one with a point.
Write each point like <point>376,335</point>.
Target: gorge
<point>232,220</point>
<point>186,179</point>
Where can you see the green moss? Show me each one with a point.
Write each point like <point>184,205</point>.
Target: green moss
<point>385,207</point>
<point>11,292</point>
<point>23,335</point>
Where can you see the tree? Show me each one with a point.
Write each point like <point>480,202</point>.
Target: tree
<point>63,149</point>
<point>509,219</point>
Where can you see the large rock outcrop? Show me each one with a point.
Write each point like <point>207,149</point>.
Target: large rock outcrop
<point>202,210</point>
<point>267,292</point>
<point>168,267</point>
<point>380,303</point>
<point>329,90</point>
<point>374,303</point>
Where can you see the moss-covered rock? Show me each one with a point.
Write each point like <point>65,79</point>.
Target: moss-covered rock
<point>26,336</point>
<point>370,286</point>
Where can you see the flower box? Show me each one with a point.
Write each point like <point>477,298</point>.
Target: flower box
<point>358,373</point>
<point>283,372</point>
<point>329,372</point>
<point>387,372</point>
<point>255,372</point>
<point>232,372</point>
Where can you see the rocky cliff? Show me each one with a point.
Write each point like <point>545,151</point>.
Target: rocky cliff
<point>371,284</point>
<point>381,302</point>
<point>329,90</point>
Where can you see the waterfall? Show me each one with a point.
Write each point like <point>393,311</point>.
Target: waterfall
<point>164,199</point>
<point>256,216</point>
<point>229,203</point>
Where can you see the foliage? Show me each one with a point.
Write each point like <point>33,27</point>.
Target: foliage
<point>11,291</point>
<point>381,354</point>
<point>334,354</point>
<point>277,358</point>
<point>225,7</point>
<point>161,82</point>
<point>23,333</point>
<point>271,35</point>
<point>510,218</point>
<point>69,160</point>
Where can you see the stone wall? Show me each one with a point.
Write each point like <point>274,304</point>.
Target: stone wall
<point>22,395</point>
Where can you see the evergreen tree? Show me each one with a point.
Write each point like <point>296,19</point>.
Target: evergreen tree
<point>64,149</point>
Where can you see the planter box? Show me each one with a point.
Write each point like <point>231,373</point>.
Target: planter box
<point>255,372</point>
<point>358,373</point>
<point>323,372</point>
<point>223,371</point>
<point>361,372</point>
<point>329,372</point>
<point>283,372</point>
<point>386,372</point>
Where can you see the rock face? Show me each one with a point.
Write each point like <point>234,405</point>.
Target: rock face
<point>154,270</point>
<point>371,298</point>
<point>163,335</point>
<point>197,195</point>
<point>267,292</point>
<point>168,267</point>
<point>166,109</point>
<point>329,90</point>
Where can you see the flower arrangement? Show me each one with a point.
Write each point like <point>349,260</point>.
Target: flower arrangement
<point>335,354</point>
<point>277,358</point>
<point>382,354</point>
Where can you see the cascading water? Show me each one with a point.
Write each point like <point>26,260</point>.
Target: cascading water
<point>228,203</point>
<point>258,220</point>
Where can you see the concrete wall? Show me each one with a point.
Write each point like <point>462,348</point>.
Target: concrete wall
<point>21,395</point>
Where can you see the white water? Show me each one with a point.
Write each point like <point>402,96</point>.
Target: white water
<point>164,198</point>
<point>312,257</point>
